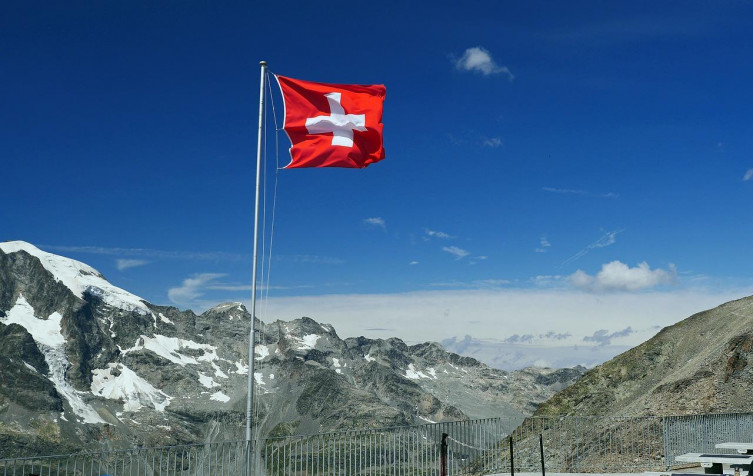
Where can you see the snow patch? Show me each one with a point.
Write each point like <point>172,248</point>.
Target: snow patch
<point>50,341</point>
<point>241,368</point>
<point>218,371</point>
<point>169,347</point>
<point>220,397</point>
<point>45,331</point>
<point>432,372</point>
<point>259,378</point>
<point>308,341</point>
<point>414,374</point>
<point>207,381</point>
<point>261,351</point>
<point>30,367</point>
<point>164,319</point>
<point>336,362</point>
<point>129,387</point>
<point>369,358</point>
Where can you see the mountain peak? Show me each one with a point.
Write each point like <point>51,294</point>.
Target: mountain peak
<point>80,278</point>
<point>228,306</point>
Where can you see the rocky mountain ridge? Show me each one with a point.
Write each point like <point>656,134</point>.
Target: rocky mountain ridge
<point>85,364</point>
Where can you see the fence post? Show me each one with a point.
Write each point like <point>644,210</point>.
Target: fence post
<point>443,456</point>
<point>512,459</point>
<point>541,447</point>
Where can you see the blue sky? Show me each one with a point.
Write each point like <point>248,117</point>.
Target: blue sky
<point>595,156</point>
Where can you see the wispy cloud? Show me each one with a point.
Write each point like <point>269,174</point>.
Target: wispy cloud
<point>150,253</point>
<point>546,280</point>
<point>543,245</point>
<point>191,288</point>
<point>438,234</point>
<point>309,259</point>
<point>480,60</point>
<point>617,276</point>
<point>568,191</point>
<point>603,337</point>
<point>475,284</point>
<point>530,338</point>
<point>503,311</point>
<point>585,193</point>
<point>748,175</point>
<point>607,239</point>
<point>413,263</point>
<point>478,259</point>
<point>123,264</point>
<point>247,287</point>
<point>492,142</point>
<point>377,222</point>
<point>458,253</point>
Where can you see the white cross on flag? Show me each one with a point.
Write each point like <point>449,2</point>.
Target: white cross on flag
<point>332,125</point>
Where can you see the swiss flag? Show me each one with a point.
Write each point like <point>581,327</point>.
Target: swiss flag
<point>332,125</point>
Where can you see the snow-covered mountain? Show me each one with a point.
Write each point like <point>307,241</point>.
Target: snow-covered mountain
<point>84,363</point>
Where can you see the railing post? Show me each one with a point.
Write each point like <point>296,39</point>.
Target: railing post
<point>443,456</point>
<point>512,459</point>
<point>541,447</point>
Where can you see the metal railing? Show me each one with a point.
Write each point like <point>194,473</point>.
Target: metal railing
<point>413,450</point>
<point>571,444</point>
<point>226,458</point>
<point>699,433</point>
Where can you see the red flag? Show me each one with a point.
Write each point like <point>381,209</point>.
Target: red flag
<point>332,125</point>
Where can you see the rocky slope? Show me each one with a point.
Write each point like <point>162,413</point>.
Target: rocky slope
<point>86,364</point>
<point>699,365</point>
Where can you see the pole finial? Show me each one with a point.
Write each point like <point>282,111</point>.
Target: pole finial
<point>262,63</point>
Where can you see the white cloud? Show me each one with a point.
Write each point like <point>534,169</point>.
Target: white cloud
<point>479,59</point>
<point>570,191</point>
<point>499,312</point>
<point>149,253</point>
<point>544,244</point>
<point>476,284</point>
<point>607,239</point>
<point>617,276</point>
<point>493,142</point>
<point>377,222</point>
<point>309,259</point>
<point>567,191</point>
<point>603,337</point>
<point>123,264</point>
<point>748,175</point>
<point>438,234</point>
<point>477,259</point>
<point>546,280</point>
<point>413,263</point>
<point>191,288</point>
<point>458,253</point>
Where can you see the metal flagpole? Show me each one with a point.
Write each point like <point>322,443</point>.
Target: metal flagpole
<point>251,335</point>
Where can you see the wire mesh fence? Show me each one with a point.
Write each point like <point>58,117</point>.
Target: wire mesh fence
<point>699,433</point>
<point>413,450</point>
<point>226,458</point>
<point>571,444</point>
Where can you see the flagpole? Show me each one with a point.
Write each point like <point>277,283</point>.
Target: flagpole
<point>251,336</point>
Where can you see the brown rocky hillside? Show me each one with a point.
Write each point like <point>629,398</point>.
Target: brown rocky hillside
<point>699,365</point>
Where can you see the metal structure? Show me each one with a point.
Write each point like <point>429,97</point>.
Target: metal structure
<point>571,444</point>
